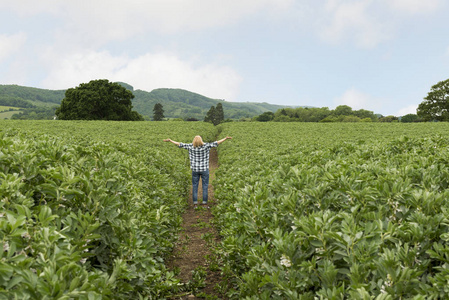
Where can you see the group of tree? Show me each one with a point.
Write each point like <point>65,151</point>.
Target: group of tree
<point>435,107</point>
<point>36,113</point>
<point>104,100</point>
<point>342,113</point>
<point>14,102</point>
<point>215,115</point>
<point>98,100</point>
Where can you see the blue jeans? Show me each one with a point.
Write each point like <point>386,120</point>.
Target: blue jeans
<point>204,183</point>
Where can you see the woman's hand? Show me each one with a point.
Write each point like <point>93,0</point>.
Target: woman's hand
<point>167,140</point>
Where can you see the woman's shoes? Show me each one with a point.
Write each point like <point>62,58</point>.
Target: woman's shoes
<point>195,205</point>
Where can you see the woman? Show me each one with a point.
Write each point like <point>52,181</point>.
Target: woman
<point>199,163</point>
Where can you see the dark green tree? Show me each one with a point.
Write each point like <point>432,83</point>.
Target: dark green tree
<point>158,112</point>
<point>219,113</point>
<point>265,117</point>
<point>436,104</point>
<point>98,100</point>
<point>215,115</point>
<point>363,114</point>
<point>210,116</point>
<point>343,110</point>
<point>409,118</point>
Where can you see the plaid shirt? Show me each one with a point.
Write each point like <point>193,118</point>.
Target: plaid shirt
<point>199,156</point>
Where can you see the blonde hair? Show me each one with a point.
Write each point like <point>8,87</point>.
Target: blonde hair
<point>197,141</point>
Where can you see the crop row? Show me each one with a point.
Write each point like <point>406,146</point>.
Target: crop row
<point>90,210</point>
<point>312,211</point>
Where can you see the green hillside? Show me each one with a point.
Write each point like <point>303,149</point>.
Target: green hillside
<point>27,97</point>
<point>184,104</point>
<point>177,103</point>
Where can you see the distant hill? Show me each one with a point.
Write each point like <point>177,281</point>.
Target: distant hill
<point>27,97</point>
<point>177,103</point>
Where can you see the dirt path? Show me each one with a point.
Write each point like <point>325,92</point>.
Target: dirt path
<point>192,253</point>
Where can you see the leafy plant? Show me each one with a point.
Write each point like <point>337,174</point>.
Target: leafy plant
<point>356,211</point>
<point>82,218</point>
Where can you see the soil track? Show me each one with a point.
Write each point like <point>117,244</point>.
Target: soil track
<point>192,252</point>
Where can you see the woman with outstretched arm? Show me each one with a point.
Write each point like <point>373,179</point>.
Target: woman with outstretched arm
<point>199,163</point>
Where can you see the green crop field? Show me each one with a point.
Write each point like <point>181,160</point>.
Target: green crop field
<point>335,211</point>
<point>91,210</point>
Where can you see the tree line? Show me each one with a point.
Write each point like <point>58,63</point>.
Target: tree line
<point>15,102</point>
<point>37,113</point>
<point>435,107</point>
<point>342,113</point>
<point>104,100</point>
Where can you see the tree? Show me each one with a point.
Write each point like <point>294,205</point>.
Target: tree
<point>219,113</point>
<point>343,110</point>
<point>436,104</point>
<point>215,115</point>
<point>158,112</point>
<point>98,100</point>
<point>363,114</point>
<point>265,117</point>
<point>409,118</point>
<point>210,116</point>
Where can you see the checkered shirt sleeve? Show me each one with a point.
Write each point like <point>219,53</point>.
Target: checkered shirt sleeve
<point>199,156</point>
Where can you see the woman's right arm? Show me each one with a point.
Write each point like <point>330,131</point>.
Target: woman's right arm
<point>169,140</point>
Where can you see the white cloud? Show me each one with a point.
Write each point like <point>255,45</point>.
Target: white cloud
<point>70,71</point>
<point>29,7</point>
<point>358,100</point>
<point>146,72</point>
<point>355,20</point>
<point>10,44</point>
<point>115,19</point>
<point>367,23</point>
<point>411,109</point>
<point>414,6</point>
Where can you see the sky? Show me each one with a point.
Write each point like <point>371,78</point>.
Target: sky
<point>379,55</point>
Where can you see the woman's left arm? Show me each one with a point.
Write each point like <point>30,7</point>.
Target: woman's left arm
<point>222,140</point>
